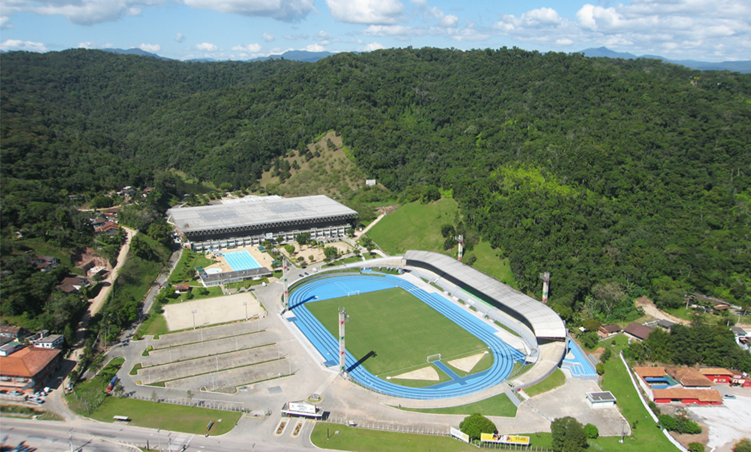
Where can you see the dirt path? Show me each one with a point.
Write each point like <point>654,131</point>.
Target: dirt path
<point>98,301</point>
<point>359,234</point>
<point>650,309</point>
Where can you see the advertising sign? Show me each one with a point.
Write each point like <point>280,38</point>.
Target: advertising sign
<point>505,439</point>
<point>302,407</point>
<point>458,434</point>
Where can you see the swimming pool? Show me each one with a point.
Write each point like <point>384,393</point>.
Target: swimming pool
<point>241,260</point>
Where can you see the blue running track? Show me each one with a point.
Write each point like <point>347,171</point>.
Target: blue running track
<point>580,365</point>
<point>241,260</point>
<point>328,346</point>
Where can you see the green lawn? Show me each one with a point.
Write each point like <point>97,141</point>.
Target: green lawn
<point>645,436</point>
<point>414,226</point>
<point>155,324</point>
<point>186,268</point>
<point>362,440</point>
<point>401,330</point>
<point>87,395</point>
<point>498,405</point>
<point>247,283</point>
<point>417,226</point>
<point>555,379</point>
<point>166,416</point>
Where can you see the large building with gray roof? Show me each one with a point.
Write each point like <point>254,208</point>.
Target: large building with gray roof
<point>249,221</point>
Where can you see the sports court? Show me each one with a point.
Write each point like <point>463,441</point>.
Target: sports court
<point>211,311</point>
<point>327,345</point>
<point>240,260</point>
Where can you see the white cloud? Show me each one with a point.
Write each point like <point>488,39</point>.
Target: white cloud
<point>390,30</point>
<point>5,22</point>
<point>250,48</point>
<point>296,37</point>
<point>449,21</point>
<point>564,42</point>
<point>206,47</point>
<point>15,44</point>
<point>372,46</point>
<point>179,37</point>
<point>83,12</point>
<point>322,36</point>
<point>285,10</point>
<point>87,45</point>
<point>268,37</point>
<point>151,48</point>
<point>315,48</point>
<point>366,11</point>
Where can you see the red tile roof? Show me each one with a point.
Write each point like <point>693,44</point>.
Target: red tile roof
<point>717,371</point>
<point>27,362</point>
<point>689,377</point>
<point>702,395</point>
<point>646,372</point>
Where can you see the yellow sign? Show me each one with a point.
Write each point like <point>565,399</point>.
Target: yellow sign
<point>505,439</point>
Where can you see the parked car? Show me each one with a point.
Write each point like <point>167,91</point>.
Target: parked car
<point>729,397</point>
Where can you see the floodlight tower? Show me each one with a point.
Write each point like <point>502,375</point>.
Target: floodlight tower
<point>343,318</point>
<point>285,301</point>
<point>545,283</point>
<point>460,240</point>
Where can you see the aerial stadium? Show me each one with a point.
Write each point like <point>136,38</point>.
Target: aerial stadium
<point>425,326</point>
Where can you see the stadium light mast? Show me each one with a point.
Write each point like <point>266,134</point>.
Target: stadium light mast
<point>285,300</point>
<point>460,240</point>
<point>545,283</point>
<point>343,318</point>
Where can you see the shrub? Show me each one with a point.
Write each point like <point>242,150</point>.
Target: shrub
<point>600,368</point>
<point>591,431</point>
<point>696,447</point>
<point>668,422</point>
<point>606,355</point>
<point>477,424</point>
<point>743,445</point>
<point>686,425</point>
<point>589,339</point>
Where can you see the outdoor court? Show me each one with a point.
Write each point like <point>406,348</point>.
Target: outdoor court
<point>211,311</point>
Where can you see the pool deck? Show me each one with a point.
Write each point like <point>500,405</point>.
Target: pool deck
<point>262,258</point>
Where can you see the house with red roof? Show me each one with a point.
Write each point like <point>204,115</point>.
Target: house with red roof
<point>27,369</point>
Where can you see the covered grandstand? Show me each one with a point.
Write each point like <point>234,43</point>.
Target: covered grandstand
<point>249,221</point>
<point>542,320</point>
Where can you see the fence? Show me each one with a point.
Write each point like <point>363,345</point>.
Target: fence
<point>198,403</point>
<point>513,447</point>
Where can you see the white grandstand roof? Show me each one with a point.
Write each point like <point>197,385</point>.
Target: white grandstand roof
<point>271,211</point>
<point>545,322</point>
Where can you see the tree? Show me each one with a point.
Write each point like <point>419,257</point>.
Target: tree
<point>302,238</point>
<point>606,355</point>
<point>447,230</point>
<point>589,339</point>
<point>600,367</point>
<point>477,424</point>
<point>431,194</point>
<point>311,258</point>
<point>591,431</point>
<point>743,445</point>
<point>568,435</point>
<point>289,248</point>
<point>330,252</point>
<point>592,324</point>
<point>470,259</point>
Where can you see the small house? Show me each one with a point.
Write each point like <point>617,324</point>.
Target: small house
<point>52,341</point>
<point>182,288</point>
<point>688,396</point>
<point>638,331</point>
<point>46,263</point>
<point>609,330</point>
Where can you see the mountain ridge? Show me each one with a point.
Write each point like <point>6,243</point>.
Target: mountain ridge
<point>735,66</point>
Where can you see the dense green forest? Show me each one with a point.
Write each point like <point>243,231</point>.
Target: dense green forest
<point>619,177</point>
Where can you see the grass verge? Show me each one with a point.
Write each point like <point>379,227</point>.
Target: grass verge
<point>166,416</point>
<point>499,405</point>
<point>358,439</point>
<point>555,380</point>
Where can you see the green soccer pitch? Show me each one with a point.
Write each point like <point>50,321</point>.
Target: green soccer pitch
<point>399,329</point>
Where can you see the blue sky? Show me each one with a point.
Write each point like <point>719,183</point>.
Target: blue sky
<point>716,30</point>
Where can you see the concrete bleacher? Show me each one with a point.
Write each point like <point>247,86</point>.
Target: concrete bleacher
<point>232,377</point>
<point>328,346</point>
<point>577,363</point>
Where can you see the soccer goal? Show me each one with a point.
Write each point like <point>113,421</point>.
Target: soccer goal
<point>356,292</point>
<point>432,358</point>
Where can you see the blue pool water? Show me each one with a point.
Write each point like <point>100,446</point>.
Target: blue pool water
<point>241,260</point>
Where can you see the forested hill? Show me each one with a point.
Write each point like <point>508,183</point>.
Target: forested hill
<point>613,175</point>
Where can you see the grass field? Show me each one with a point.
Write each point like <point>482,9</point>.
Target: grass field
<point>186,268</point>
<point>498,405</point>
<point>166,416</point>
<point>361,440</point>
<point>400,329</point>
<point>417,226</point>
<point>555,379</point>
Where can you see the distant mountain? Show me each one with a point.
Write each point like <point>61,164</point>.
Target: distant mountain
<point>297,55</point>
<point>736,66</point>
<point>135,51</point>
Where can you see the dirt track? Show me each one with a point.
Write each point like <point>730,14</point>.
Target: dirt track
<point>650,309</point>
<point>97,302</point>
